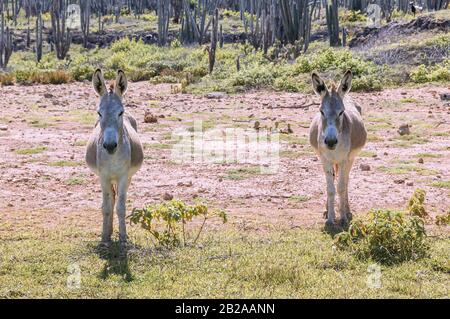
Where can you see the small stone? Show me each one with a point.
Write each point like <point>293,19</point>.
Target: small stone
<point>420,160</point>
<point>167,196</point>
<point>409,183</point>
<point>3,127</point>
<point>149,117</point>
<point>364,167</point>
<point>404,129</point>
<point>399,181</point>
<point>216,95</point>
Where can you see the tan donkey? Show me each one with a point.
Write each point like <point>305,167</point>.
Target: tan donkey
<point>114,152</point>
<point>337,134</point>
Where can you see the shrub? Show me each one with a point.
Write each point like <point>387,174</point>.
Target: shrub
<point>6,79</point>
<point>163,221</point>
<point>437,73</point>
<point>386,237</point>
<point>351,16</point>
<point>443,220</point>
<point>415,204</point>
<point>56,77</point>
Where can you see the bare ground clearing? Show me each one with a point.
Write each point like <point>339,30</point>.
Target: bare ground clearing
<point>45,181</point>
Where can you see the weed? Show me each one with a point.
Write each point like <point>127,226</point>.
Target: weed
<point>387,237</point>
<point>172,214</point>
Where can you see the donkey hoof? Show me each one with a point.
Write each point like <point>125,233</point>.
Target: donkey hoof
<point>344,222</point>
<point>329,223</point>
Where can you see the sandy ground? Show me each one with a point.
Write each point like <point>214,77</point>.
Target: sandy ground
<point>54,186</point>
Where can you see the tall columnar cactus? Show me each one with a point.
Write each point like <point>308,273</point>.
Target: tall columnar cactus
<point>195,24</point>
<point>163,21</point>
<point>61,34</point>
<point>85,19</point>
<point>6,43</point>
<point>333,22</point>
<point>214,39</point>
<point>39,25</point>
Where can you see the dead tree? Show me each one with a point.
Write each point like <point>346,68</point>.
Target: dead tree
<point>6,43</point>
<point>163,21</point>
<point>85,19</point>
<point>61,34</point>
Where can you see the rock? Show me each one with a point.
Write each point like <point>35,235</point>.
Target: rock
<point>48,95</point>
<point>216,95</point>
<point>420,160</point>
<point>257,125</point>
<point>149,117</point>
<point>445,96</point>
<point>364,167</point>
<point>409,183</point>
<point>167,196</point>
<point>399,181</point>
<point>3,127</point>
<point>404,129</point>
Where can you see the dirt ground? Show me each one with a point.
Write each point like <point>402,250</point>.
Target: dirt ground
<point>45,182</point>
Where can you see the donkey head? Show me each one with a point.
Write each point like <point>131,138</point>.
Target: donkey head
<point>332,106</point>
<point>110,110</point>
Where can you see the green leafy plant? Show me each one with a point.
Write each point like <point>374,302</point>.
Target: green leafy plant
<point>167,222</point>
<point>387,237</point>
<point>415,204</point>
<point>443,220</point>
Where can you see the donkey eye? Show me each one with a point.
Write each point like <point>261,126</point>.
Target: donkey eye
<point>342,112</point>
<point>321,112</point>
<point>99,114</point>
<point>121,113</point>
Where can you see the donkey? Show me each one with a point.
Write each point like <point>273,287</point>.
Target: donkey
<point>337,134</point>
<point>114,151</point>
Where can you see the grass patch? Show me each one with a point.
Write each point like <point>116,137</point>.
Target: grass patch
<point>408,168</point>
<point>226,264</point>
<point>299,198</point>
<point>76,180</point>
<point>441,184</point>
<point>367,154</point>
<point>157,146</point>
<point>31,151</point>
<point>65,163</point>
<point>243,173</point>
<point>409,140</point>
<point>427,155</point>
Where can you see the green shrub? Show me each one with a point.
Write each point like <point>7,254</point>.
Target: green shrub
<point>416,204</point>
<point>443,220</point>
<point>437,73</point>
<point>386,237</point>
<point>351,16</point>
<point>167,222</point>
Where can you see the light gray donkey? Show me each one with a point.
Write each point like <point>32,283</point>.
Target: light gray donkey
<point>114,151</point>
<point>337,134</point>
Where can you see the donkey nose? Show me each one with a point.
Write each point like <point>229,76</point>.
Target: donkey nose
<point>110,147</point>
<point>331,142</point>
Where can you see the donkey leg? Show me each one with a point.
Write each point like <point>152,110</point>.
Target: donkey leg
<point>107,209</point>
<point>122,188</point>
<point>331,191</point>
<point>344,206</point>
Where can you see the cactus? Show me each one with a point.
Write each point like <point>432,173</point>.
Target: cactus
<point>6,42</point>
<point>163,21</point>
<point>85,19</point>
<point>195,26</point>
<point>333,22</point>
<point>214,39</point>
<point>39,33</point>
<point>61,34</point>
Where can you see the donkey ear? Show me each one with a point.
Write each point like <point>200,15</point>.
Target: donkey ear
<point>318,84</point>
<point>99,82</point>
<point>121,84</point>
<point>346,83</point>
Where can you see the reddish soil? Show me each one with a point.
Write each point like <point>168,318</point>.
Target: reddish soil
<point>37,190</point>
